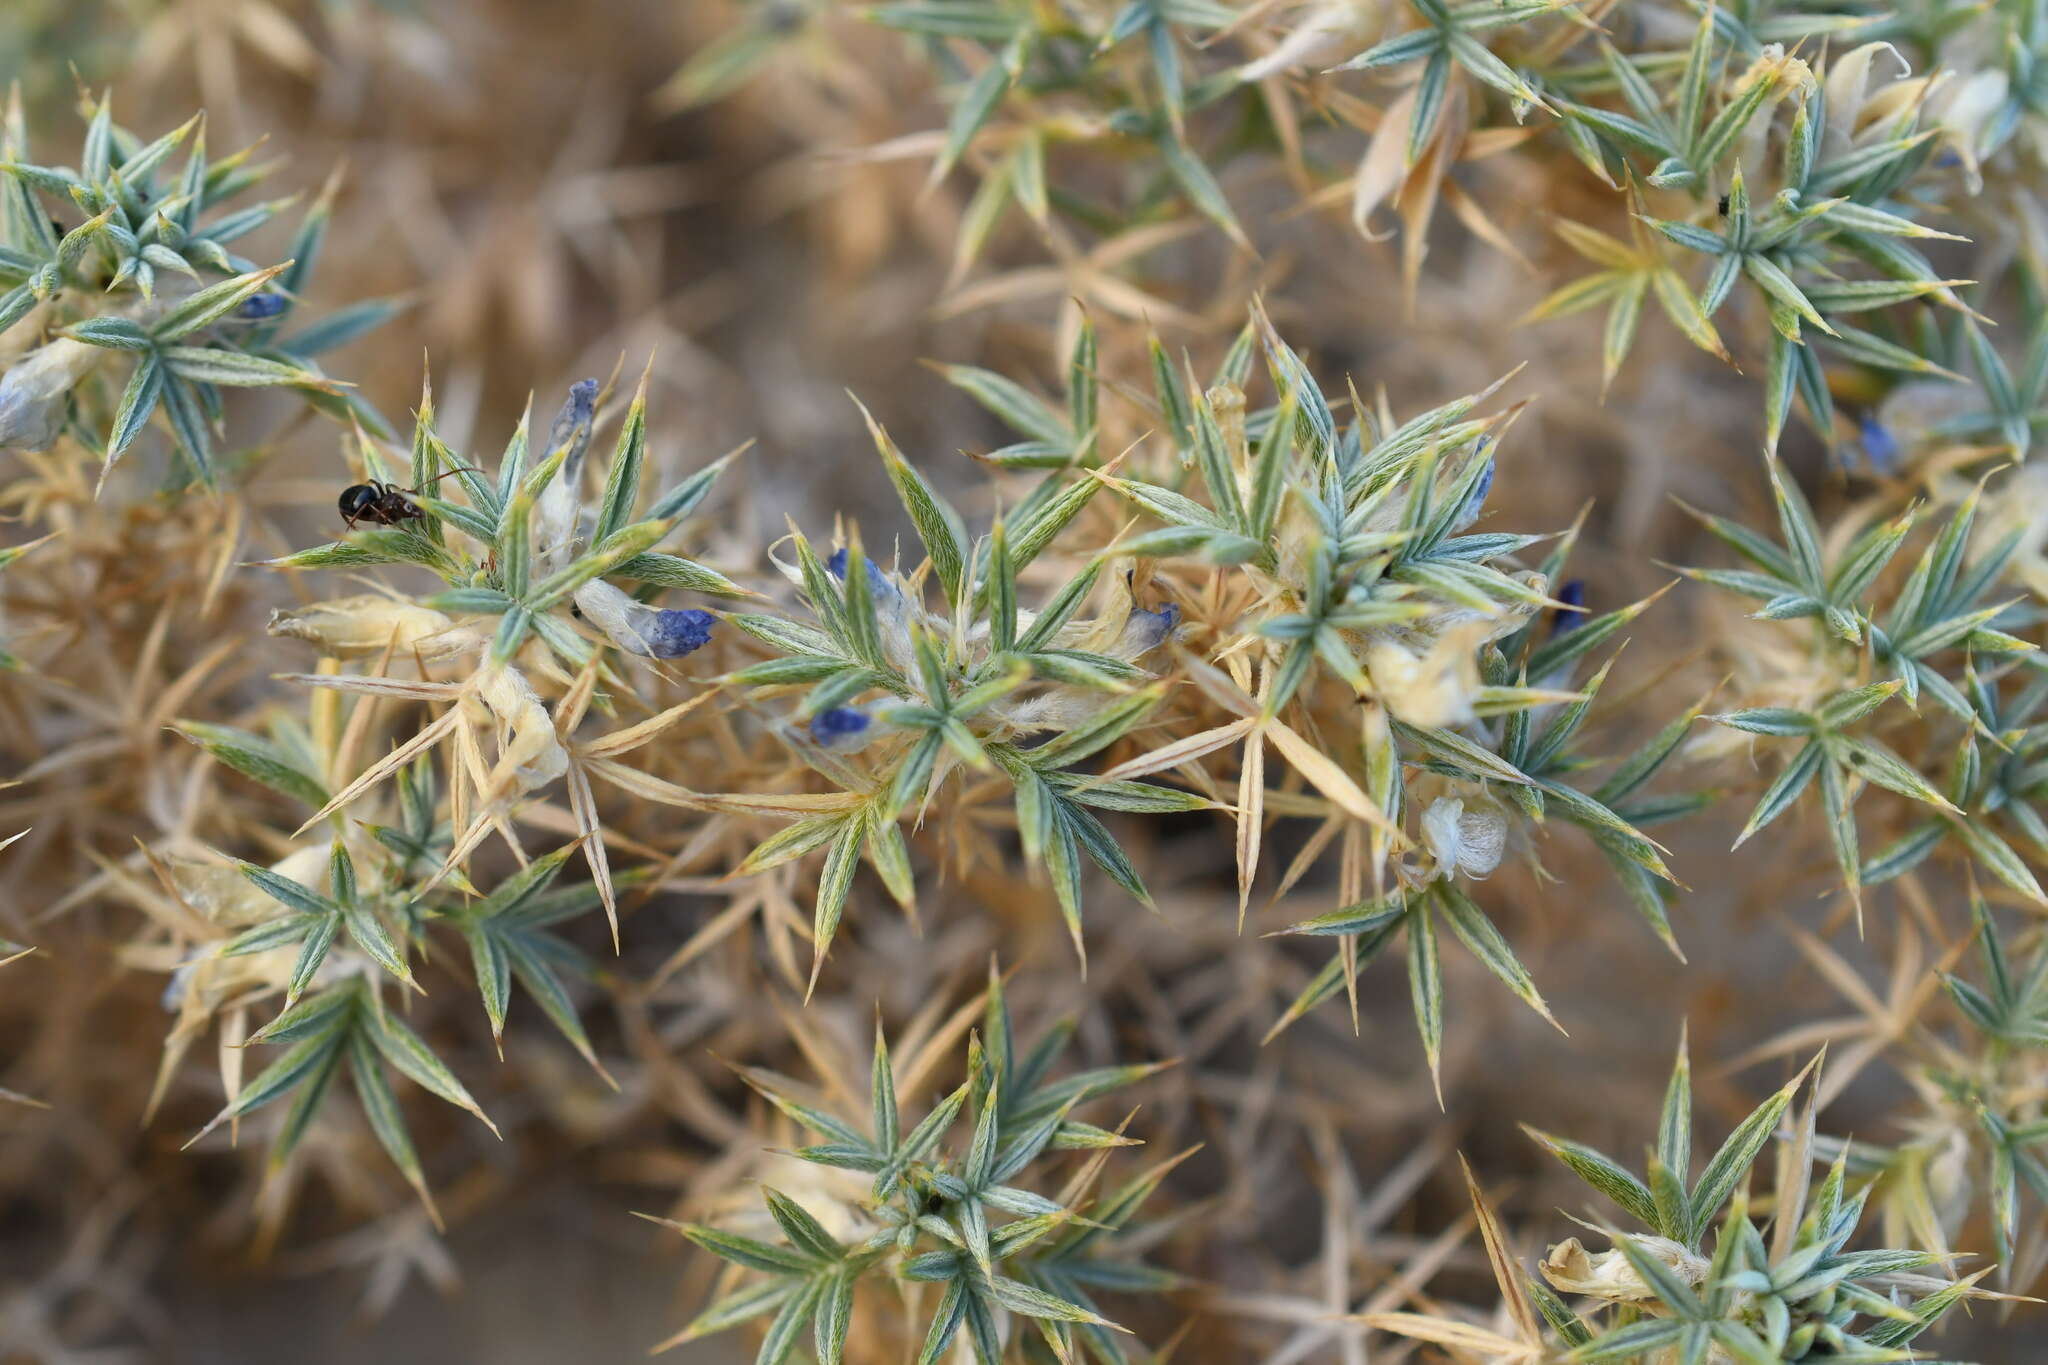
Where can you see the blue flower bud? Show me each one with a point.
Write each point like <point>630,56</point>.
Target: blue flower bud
<point>1573,594</point>
<point>842,728</point>
<point>673,633</point>
<point>257,307</point>
<point>887,597</point>
<point>650,632</point>
<point>1147,630</point>
<point>1880,447</point>
<point>1476,499</point>
<point>572,424</point>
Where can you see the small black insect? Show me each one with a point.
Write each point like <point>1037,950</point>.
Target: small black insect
<point>383,504</point>
<point>1724,206</point>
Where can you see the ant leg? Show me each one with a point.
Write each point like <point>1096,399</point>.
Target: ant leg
<point>459,469</point>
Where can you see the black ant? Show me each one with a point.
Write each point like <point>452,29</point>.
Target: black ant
<point>384,504</point>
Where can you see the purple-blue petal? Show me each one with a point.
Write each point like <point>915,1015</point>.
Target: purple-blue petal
<point>571,430</point>
<point>1573,594</point>
<point>877,580</point>
<point>1150,629</point>
<point>576,412</point>
<point>672,634</point>
<point>257,307</point>
<point>1476,499</point>
<point>1880,447</point>
<point>837,723</point>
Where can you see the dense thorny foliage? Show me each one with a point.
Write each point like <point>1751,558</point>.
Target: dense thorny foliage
<point>1253,592</point>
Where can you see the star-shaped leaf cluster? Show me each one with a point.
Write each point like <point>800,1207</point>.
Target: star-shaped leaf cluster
<point>952,1216</point>
<point>132,276</point>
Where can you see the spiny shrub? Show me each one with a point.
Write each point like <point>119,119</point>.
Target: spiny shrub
<point>1222,629</point>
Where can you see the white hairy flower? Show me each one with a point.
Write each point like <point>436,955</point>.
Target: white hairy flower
<point>1570,1267</point>
<point>36,391</point>
<point>1465,839</point>
<point>370,624</point>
